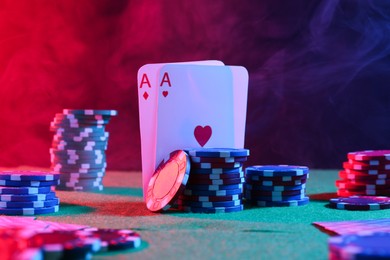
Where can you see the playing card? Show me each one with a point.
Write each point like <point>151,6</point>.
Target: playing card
<point>195,108</point>
<point>147,101</point>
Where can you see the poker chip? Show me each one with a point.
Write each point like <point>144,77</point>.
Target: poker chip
<point>78,148</point>
<point>214,204</point>
<point>190,192</point>
<point>362,177</point>
<point>29,211</point>
<point>195,159</point>
<point>210,198</point>
<point>64,244</point>
<point>348,192</point>
<point>30,204</point>
<point>276,170</point>
<point>360,203</point>
<point>363,245</point>
<point>28,197</point>
<point>383,155</point>
<point>90,112</point>
<point>288,203</point>
<point>168,181</point>
<point>276,185</point>
<point>113,239</point>
<point>216,165</point>
<point>216,176</point>
<point>342,184</point>
<point>213,209</point>
<point>237,170</point>
<point>24,190</point>
<point>355,165</point>
<point>28,176</point>
<point>217,152</point>
<point>216,181</point>
<point>214,187</point>
<point>28,183</point>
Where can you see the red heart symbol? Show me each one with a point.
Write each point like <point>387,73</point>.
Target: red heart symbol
<point>202,134</point>
<point>165,93</point>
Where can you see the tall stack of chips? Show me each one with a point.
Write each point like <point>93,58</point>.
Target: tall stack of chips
<point>215,183</point>
<point>28,192</point>
<point>78,148</point>
<point>365,173</point>
<point>276,185</point>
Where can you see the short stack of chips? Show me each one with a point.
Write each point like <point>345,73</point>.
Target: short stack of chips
<point>28,192</point>
<point>365,173</point>
<point>78,148</point>
<point>276,185</point>
<point>216,179</point>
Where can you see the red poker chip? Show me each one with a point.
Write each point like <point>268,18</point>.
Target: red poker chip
<point>371,163</point>
<point>362,177</point>
<point>368,172</point>
<point>347,192</point>
<point>354,165</point>
<point>344,184</point>
<point>168,182</point>
<point>383,155</point>
<point>360,203</point>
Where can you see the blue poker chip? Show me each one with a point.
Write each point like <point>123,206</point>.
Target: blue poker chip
<point>59,131</point>
<point>90,112</point>
<point>78,153</point>
<point>196,198</point>
<point>29,211</point>
<point>277,188</point>
<point>195,159</point>
<point>83,138</point>
<point>274,193</point>
<point>276,170</point>
<point>217,171</point>
<point>216,165</point>
<point>57,167</point>
<point>30,204</point>
<point>27,197</point>
<point>275,183</point>
<point>251,197</point>
<point>217,152</point>
<point>364,245</point>
<point>84,184</point>
<point>231,203</point>
<point>190,192</point>
<point>282,179</point>
<point>213,210</point>
<point>216,176</point>
<point>214,187</point>
<point>24,190</point>
<point>28,183</point>
<point>290,203</point>
<point>17,175</point>
<point>76,176</point>
<point>194,181</point>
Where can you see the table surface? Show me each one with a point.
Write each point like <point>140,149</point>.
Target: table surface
<point>255,233</point>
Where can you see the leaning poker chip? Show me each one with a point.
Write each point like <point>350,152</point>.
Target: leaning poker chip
<point>290,203</point>
<point>217,171</point>
<point>215,176</point>
<point>363,245</point>
<point>63,244</point>
<point>215,182</point>
<point>360,203</point>
<point>383,155</point>
<point>90,112</point>
<point>217,152</point>
<point>197,204</point>
<point>195,159</point>
<point>28,183</point>
<point>216,165</point>
<point>28,175</point>
<point>168,181</point>
<point>214,187</point>
<point>30,204</point>
<point>29,211</point>
<point>210,198</point>
<point>113,239</point>
<point>190,192</point>
<point>276,170</point>
<point>24,190</point>
<point>26,198</point>
<point>212,210</point>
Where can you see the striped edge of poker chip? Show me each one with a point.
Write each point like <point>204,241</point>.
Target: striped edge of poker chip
<point>213,210</point>
<point>168,181</point>
<point>363,245</point>
<point>369,155</point>
<point>29,211</point>
<point>360,203</point>
<point>217,152</point>
<point>29,175</point>
<point>90,112</point>
<point>276,170</point>
<point>289,203</point>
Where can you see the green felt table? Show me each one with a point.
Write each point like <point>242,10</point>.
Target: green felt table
<point>255,233</point>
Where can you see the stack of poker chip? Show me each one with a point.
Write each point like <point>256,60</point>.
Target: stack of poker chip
<point>28,192</point>
<point>276,185</point>
<point>363,245</point>
<point>216,179</point>
<point>365,173</point>
<point>78,148</point>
